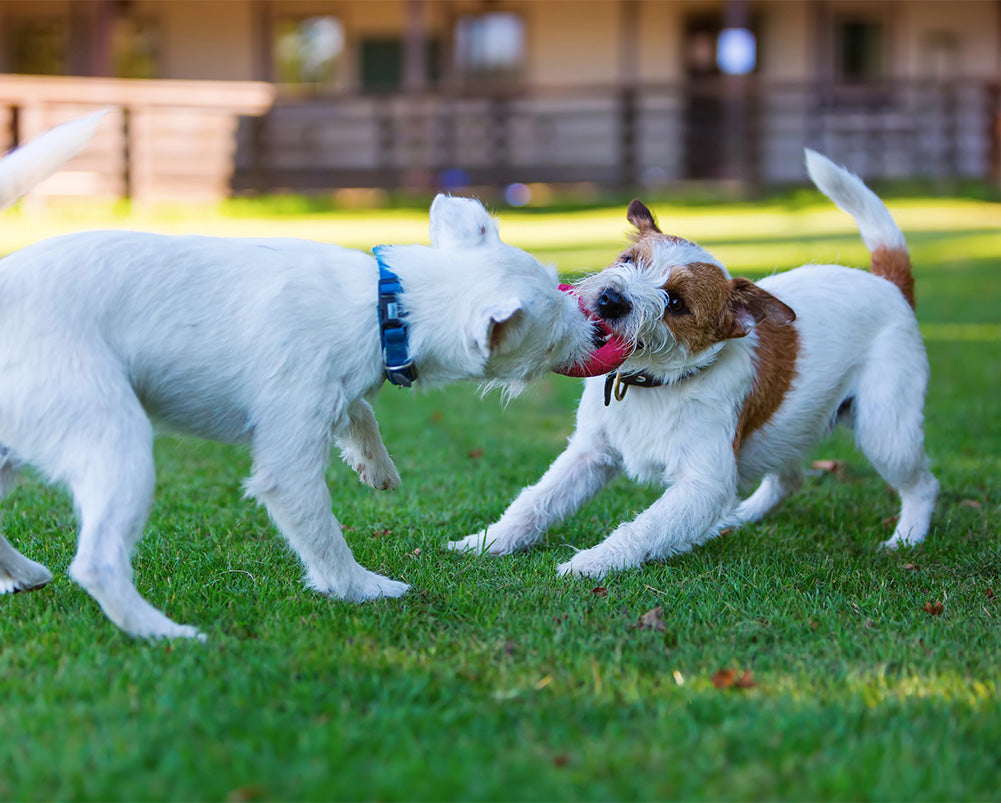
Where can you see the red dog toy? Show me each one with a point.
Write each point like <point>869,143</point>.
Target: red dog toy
<point>606,357</point>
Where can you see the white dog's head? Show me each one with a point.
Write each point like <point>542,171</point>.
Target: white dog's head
<point>674,301</point>
<point>482,309</point>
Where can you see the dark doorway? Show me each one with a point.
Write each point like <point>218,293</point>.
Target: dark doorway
<point>705,109</point>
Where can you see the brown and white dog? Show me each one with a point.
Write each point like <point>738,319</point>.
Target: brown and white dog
<point>733,388</point>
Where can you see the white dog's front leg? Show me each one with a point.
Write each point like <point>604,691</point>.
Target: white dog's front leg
<point>289,479</point>
<point>682,518</point>
<point>574,477</point>
<point>362,448</point>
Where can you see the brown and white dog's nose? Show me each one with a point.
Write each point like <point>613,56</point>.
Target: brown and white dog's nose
<point>611,305</point>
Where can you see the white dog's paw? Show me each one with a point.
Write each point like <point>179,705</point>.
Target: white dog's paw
<point>899,542</point>
<point>153,625</point>
<point>475,544</point>
<point>178,631</point>
<point>26,576</point>
<point>379,474</point>
<point>363,586</point>
<point>373,586</point>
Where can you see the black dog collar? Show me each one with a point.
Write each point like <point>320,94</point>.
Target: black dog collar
<point>618,383</point>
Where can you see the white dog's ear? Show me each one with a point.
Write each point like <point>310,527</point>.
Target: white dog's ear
<point>498,331</point>
<point>460,223</point>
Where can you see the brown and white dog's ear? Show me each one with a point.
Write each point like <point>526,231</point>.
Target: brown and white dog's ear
<point>641,217</point>
<point>750,305</point>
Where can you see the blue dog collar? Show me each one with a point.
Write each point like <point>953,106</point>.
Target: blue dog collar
<point>392,325</point>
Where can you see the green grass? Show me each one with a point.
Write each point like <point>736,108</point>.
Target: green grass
<point>493,679</point>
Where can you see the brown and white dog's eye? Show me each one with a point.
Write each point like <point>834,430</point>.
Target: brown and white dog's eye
<point>674,304</point>
<point>626,259</point>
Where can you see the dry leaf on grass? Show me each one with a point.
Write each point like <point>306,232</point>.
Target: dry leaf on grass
<point>245,794</point>
<point>475,454</point>
<point>653,620</point>
<point>912,567</point>
<point>729,679</point>
<point>971,503</point>
<point>600,591</point>
<point>835,467</point>
<point>934,608</point>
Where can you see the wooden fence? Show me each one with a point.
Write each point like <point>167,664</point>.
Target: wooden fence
<point>162,139</point>
<point>201,139</point>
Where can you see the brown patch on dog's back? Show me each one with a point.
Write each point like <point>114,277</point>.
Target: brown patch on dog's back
<point>894,265</point>
<point>775,356</point>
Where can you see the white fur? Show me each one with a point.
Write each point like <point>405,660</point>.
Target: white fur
<point>859,340</point>
<point>273,343</point>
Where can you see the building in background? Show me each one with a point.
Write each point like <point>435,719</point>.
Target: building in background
<point>217,96</point>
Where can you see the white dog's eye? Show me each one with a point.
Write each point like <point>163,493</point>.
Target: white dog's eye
<point>626,259</point>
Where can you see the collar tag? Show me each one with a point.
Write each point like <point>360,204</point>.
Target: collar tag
<point>396,360</point>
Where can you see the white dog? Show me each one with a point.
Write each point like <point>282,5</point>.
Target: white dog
<point>728,386</point>
<point>273,343</point>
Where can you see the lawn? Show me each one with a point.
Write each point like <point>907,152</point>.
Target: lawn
<point>493,679</point>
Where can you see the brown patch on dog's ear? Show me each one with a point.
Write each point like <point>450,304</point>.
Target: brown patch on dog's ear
<point>750,305</point>
<point>641,217</point>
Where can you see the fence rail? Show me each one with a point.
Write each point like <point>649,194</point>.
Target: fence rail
<point>206,139</point>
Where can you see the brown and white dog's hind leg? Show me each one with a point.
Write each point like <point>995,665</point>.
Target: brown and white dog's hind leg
<point>774,489</point>
<point>889,429</point>
<point>574,477</point>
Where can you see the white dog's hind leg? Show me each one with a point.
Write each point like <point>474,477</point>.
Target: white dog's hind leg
<point>573,478</point>
<point>362,448</point>
<point>289,480</point>
<point>17,573</point>
<point>107,462</point>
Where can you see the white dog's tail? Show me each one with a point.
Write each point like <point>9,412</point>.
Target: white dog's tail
<point>22,169</point>
<point>880,233</point>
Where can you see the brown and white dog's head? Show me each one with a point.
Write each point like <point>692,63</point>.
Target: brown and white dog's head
<point>674,300</point>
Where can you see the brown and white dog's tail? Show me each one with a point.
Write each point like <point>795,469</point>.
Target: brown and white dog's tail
<point>879,231</point>
<point>22,169</point>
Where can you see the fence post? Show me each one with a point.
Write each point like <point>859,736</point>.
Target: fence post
<point>628,137</point>
<point>993,92</point>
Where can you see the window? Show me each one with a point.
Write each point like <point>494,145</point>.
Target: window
<point>308,52</point>
<point>859,48</point>
<point>490,46</point>
<point>135,48</point>
<point>381,64</point>
<point>38,47</point>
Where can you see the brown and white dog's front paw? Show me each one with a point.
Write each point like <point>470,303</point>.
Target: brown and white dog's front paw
<point>475,544</point>
<point>595,562</point>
